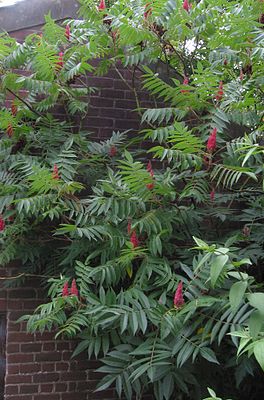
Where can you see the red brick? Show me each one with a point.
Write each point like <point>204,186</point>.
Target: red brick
<point>114,113</point>
<point>18,379</point>
<point>49,346</point>
<point>127,104</point>
<point>125,124</point>
<point>3,305</point>
<point>48,367</point>
<point>46,388</point>
<point>66,355</point>
<point>14,305</point>
<point>119,84</point>
<point>20,337</point>
<point>112,94</point>
<point>12,348</point>
<point>74,396</point>
<point>63,346</point>
<point>46,377</point>
<point>50,396</point>
<point>12,369</point>
<point>31,304</point>
<point>55,356</point>
<point>26,389</point>
<point>60,387</point>
<point>29,368</point>
<point>14,315</point>
<point>46,336</point>
<point>108,394</point>
<point>20,358</point>
<point>14,327</point>
<point>62,366</point>
<point>11,389</point>
<point>94,121</point>
<point>21,294</point>
<point>18,397</point>
<point>73,376</point>
<point>83,386</point>
<point>31,347</point>
<point>101,82</point>
<point>102,102</point>
<point>72,386</point>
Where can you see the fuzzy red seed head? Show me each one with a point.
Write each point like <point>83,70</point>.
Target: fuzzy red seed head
<point>148,11</point>
<point>211,143</point>
<point>112,151</point>
<point>149,166</point>
<point>60,62</point>
<point>65,290</point>
<point>55,173</point>
<point>150,186</point>
<point>102,5</point>
<point>225,62</point>
<point>186,5</point>
<point>178,297</point>
<point>10,130</point>
<point>68,32</point>
<point>220,92</point>
<point>134,239</point>
<point>2,223</point>
<point>212,195</point>
<point>74,290</point>
<point>14,109</point>
<point>149,169</point>
<point>185,83</point>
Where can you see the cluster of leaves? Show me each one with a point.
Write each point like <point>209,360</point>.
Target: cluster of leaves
<point>69,205</point>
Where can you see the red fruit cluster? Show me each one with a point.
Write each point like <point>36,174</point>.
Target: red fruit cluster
<point>60,62</point>
<point>178,297</point>
<point>73,290</point>
<point>68,32</point>
<point>2,223</point>
<point>211,143</point>
<point>150,186</point>
<point>186,83</point>
<point>55,173</point>
<point>65,290</point>
<point>220,92</point>
<point>186,5</point>
<point>13,109</point>
<point>148,11</point>
<point>10,130</point>
<point>112,152</point>
<point>102,5</point>
<point>134,239</point>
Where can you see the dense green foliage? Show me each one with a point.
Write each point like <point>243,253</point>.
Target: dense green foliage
<point>127,232</point>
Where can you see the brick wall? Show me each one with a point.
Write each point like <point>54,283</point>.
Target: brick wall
<point>37,366</point>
